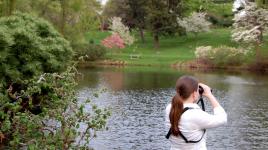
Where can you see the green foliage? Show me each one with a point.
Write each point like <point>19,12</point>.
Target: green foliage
<point>137,12</point>
<point>72,18</point>
<point>7,7</point>
<point>38,104</point>
<point>90,51</point>
<point>218,13</point>
<point>161,16</point>
<point>173,49</point>
<point>228,56</point>
<point>82,20</point>
<point>29,47</point>
<point>116,8</point>
<point>262,3</point>
<point>58,125</point>
<point>220,20</point>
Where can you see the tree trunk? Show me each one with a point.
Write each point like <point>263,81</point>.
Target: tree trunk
<point>102,23</point>
<point>12,5</point>
<point>63,16</point>
<point>257,48</point>
<point>156,41</point>
<point>257,45</point>
<point>142,35</point>
<point>44,8</point>
<point>4,6</point>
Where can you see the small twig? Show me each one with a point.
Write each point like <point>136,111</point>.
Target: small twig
<point>41,78</point>
<point>57,76</point>
<point>47,129</point>
<point>2,137</point>
<point>84,134</point>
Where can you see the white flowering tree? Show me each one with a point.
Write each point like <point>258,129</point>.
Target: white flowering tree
<point>195,23</point>
<point>250,26</point>
<point>239,5</point>
<point>119,28</point>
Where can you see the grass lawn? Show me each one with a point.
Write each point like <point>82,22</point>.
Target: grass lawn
<point>172,49</point>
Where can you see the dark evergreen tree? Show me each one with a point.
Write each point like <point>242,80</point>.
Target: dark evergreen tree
<point>137,14</point>
<point>162,18</point>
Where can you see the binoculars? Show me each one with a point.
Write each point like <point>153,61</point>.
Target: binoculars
<point>201,90</point>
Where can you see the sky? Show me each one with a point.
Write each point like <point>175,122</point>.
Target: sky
<point>103,2</point>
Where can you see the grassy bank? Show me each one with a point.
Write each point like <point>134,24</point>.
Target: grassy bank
<point>172,49</point>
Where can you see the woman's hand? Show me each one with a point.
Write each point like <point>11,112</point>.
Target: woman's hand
<point>209,95</point>
<point>207,90</point>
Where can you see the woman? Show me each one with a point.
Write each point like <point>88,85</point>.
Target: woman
<point>187,122</point>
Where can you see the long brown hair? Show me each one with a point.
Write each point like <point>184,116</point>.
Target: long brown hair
<point>185,86</point>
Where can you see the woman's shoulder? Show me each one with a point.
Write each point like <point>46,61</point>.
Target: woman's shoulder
<point>191,105</point>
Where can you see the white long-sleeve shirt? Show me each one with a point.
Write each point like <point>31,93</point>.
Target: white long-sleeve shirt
<point>192,125</point>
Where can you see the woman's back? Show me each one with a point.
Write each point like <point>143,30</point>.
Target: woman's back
<point>188,126</point>
<point>192,124</point>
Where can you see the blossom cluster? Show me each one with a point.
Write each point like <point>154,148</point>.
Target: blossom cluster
<point>202,52</point>
<point>207,52</point>
<point>222,55</point>
<point>113,41</point>
<point>119,28</point>
<point>250,24</point>
<point>195,23</point>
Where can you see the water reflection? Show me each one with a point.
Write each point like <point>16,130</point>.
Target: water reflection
<point>138,97</point>
<point>120,79</point>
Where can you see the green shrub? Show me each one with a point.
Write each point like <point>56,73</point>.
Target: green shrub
<point>223,21</point>
<point>58,125</point>
<point>90,51</point>
<point>220,14</point>
<point>30,46</point>
<point>38,104</point>
<point>221,56</point>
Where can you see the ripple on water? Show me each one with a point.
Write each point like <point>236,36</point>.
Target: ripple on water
<point>137,121</point>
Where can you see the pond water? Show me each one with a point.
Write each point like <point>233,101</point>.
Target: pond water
<point>137,97</point>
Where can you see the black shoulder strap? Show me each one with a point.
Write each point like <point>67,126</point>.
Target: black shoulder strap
<point>192,141</point>
<point>186,108</point>
<point>169,132</point>
<point>202,103</point>
<point>184,138</point>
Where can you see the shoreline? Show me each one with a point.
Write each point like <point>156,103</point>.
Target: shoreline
<point>192,65</point>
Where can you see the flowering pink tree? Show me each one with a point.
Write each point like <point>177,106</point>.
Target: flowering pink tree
<point>119,28</point>
<point>113,41</point>
<point>120,37</point>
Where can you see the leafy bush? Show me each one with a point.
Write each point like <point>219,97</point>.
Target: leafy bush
<point>221,56</point>
<point>113,41</point>
<point>203,52</point>
<point>219,12</point>
<point>58,125</point>
<point>224,21</point>
<point>90,51</point>
<point>38,104</point>
<point>30,46</point>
